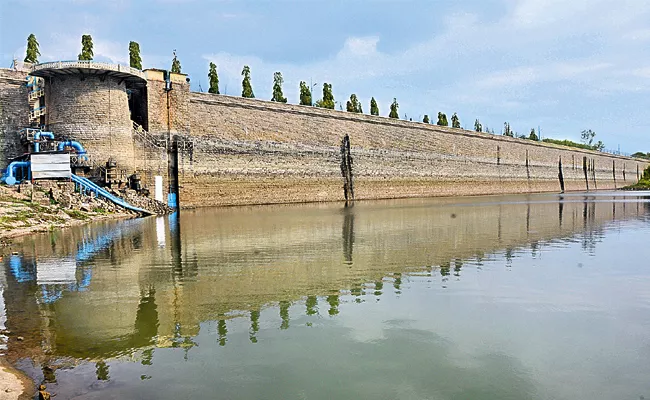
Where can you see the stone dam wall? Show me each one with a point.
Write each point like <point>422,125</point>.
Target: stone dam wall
<point>237,151</point>
<point>248,151</point>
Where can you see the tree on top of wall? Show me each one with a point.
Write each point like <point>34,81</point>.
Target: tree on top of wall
<point>305,94</point>
<point>442,119</point>
<point>328,98</point>
<point>455,122</point>
<point>32,53</point>
<point>506,130</point>
<point>176,64</point>
<point>353,105</point>
<point>277,88</point>
<point>86,48</point>
<point>214,79</point>
<point>246,88</point>
<point>374,110</point>
<point>477,126</point>
<point>426,119</point>
<point>393,109</point>
<point>533,135</point>
<point>135,61</point>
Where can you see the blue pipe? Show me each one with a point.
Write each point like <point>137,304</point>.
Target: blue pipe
<point>38,136</point>
<point>72,143</point>
<point>10,177</point>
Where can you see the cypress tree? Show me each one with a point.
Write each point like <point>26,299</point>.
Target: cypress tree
<point>374,110</point>
<point>442,119</point>
<point>305,94</point>
<point>353,105</point>
<point>135,61</point>
<point>246,88</point>
<point>477,126</point>
<point>393,109</point>
<point>455,122</point>
<point>86,48</point>
<point>176,64</point>
<point>214,79</point>
<point>426,119</point>
<point>328,98</point>
<point>32,53</point>
<point>277,88</point>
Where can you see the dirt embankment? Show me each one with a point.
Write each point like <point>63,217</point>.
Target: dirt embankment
<point>25,213</point>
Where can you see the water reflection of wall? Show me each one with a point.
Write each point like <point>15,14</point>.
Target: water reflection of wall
<point>144,292</point>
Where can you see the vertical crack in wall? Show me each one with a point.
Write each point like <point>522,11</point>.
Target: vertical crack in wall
<point>584,169</point>
<point>614,172</point>
<point>346,169</point>
<point>527,168</point>
<point>560,175</point>
<point>593,173</point>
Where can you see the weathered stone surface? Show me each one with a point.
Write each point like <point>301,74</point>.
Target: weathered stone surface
<point>14,113</point>
<point>249,151</point>
<point>95,112</point>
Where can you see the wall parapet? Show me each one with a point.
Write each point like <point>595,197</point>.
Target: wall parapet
<point>309,111</point>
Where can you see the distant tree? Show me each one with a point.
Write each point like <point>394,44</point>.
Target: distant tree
<point>246,88</point>
<point>214,79</point>
<point>86,48</point>
<point>506,130</point>
<point>374,110</point>
<point>135,61</point>
<point>305,94</point>
<point>640,154</point>
<point>176,64</point>
<point>426,119</point>
<point>32,53</point>
<point>455,122</point>
<point>587,137</point>
<point>599,146</point>
<point>328,98</point>
<point>393,109</point>
<point>353,105</point>
<point>477,126</point>
<point>277,88</point>
<point>442,119</point>
<point>533,135</point>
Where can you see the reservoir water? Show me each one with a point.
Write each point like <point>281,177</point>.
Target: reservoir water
<point>512,297</point>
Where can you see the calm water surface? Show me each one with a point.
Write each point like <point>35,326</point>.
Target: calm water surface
<point>519,297</point>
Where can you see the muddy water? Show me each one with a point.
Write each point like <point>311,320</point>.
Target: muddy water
<point>520,297</point>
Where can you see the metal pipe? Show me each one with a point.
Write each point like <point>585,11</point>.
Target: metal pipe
<point>10,177</point>
<point>38,136</point>
<point>72,143</point>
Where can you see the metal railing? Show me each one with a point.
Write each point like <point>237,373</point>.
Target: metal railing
<point>148,138</point>
<point>37,112</point>
<point>89,65</point>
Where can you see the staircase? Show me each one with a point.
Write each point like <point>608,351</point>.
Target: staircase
<point>35,99</point>
<point>155,141</point>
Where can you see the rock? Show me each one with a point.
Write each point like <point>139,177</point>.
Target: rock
<point>20,338</point>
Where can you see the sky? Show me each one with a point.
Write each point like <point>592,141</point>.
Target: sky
<point>563,66</point>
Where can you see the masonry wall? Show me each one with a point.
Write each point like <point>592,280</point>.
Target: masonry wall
<point>249,151</point>
<point>14,113</point>
<point>94,112</point>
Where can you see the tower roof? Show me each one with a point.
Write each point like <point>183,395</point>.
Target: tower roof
<point>68,68</point>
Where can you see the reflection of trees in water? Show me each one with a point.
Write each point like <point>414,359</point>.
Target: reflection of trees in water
<point>458,265</point>
<point>255,326</point>
<point>101,370</point>
<point>334,302</point>
<point>284,314</point>
<point>222,331</point>
<point>312,305</point>
<point>379,285</point>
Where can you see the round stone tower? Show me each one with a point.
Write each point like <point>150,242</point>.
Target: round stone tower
<point>88,102</point>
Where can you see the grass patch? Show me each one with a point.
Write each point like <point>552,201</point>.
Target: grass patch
<point>643,183</point>
<point>100,210</point>
<point>75,214</point>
